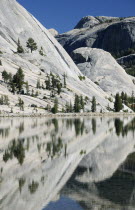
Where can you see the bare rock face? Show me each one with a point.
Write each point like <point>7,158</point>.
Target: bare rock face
<point>103,69</point>
<point>90,21</point>
<point>108,33</point>
<point>53,32</point>
<point>16,23</point>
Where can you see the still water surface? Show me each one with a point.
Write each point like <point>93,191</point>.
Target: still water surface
<point>67,164</point>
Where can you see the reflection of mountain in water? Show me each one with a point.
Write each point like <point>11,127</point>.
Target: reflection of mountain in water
<point>38,156</point>
<point>96,185</point>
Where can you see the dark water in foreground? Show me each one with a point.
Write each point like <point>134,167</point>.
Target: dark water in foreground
<point>63,164</point>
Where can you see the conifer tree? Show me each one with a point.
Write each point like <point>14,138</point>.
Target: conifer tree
<point>70,107</point>
<point>32,94</point>
<point>21,104</point>
<point>122,96</point>
<point>5,76</point>
<point>0,63</point>
<point>27,88</point>
<point>67,107</point>
<point>48,83</point>
<point>118,103</point>
<point>55,107</point>
<point>18,79</point>
<point>4,100</point>
<point>133,97</point>
<point>12,86</point>
<point>125,99</point>
<point>77,106</point>
<point>82,102</point>
<point>38,84</point>
<point>58,88</point>
<point>19,47</point>
<point>65,84</point>
<point>41,51</point>
<point>31,44</point>
<point>93,106</point>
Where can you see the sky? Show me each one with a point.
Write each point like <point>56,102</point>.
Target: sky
<point>63,15</point>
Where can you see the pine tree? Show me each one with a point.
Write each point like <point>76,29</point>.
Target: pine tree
<point>77,106</point>
<point>125,99</point>
<point>19,47</point>
<point>132,97</point>
<point>27,88</point>
<point>38,84</point>
<point>122,96</point>
<point>48,83</point>
<point>93,106</point>
<point>21,104</point>
<point>4,100</point>
<point>36,93</point>
<point>32,94</point>
<point>31,44</point>
<point>55,107</point>
<point>82,102</point>
<point>41,51</point>
<point>59,88</point>
<point>12,85</point>
<point>70,107</point>
<point>65,84</point>
<point>118,103</point>
<point>5,76</point>
<point>18,79</point>
<point>67,107</point>
<point>0,63</point>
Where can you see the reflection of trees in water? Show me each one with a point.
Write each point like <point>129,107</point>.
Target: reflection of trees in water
<point>4,133</point>
<point>54,147</point>
<point>21,127</point>
<point>21,183</point>
<point>79,126</point>
<point>94,126</point>
<point>55,123</point>
<point>121,129</point>
<point>118,126</point>
<point>16,149</point>
<point>33,187</point>
<point>69,123</point>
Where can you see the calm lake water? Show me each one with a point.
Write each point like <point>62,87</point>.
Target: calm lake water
<point>67,163</point>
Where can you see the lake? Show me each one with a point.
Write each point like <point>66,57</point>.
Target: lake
<point>67,163</point>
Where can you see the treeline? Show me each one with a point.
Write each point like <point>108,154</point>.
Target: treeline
<point>15,82</point>
<point>123,98</point>
<point>122,53</point>
<point>77,106</point>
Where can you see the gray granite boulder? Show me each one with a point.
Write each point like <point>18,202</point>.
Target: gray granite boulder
<point>102,68</point>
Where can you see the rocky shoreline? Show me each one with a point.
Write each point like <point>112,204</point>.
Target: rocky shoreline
<point>90,114</point>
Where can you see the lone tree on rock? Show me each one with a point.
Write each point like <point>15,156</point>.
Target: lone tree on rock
<point>118,103</point>
<point>31,44</point>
